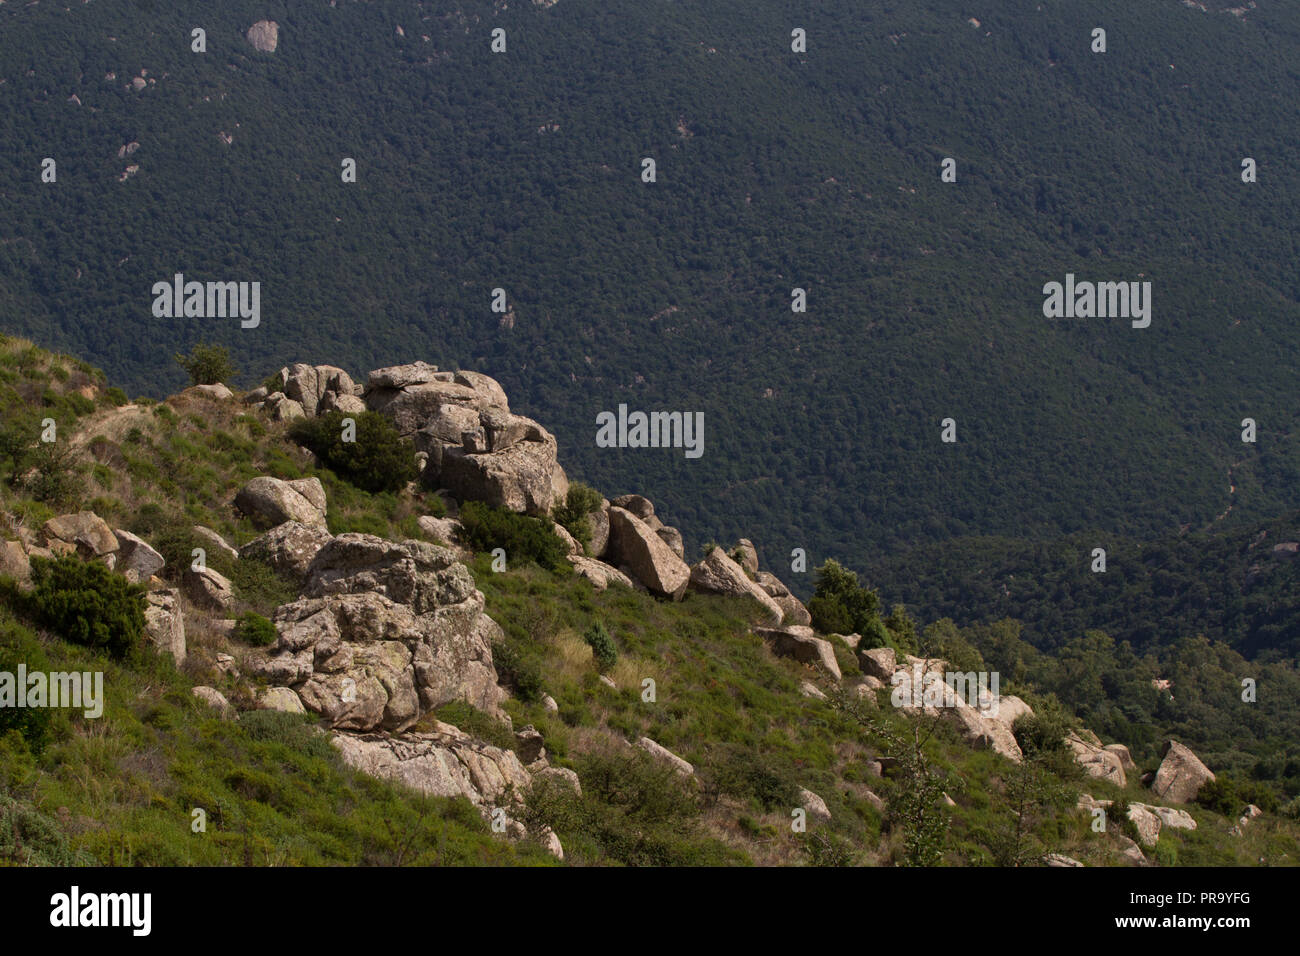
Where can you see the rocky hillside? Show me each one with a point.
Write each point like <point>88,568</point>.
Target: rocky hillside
<point>345,621</point>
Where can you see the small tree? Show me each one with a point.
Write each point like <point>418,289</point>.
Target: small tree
<point>839,604</point>
<point>207,364</point>
<point>602,647</point>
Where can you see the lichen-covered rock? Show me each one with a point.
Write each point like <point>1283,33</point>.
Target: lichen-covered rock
<point>385,631</point>
<point>164,624</point>
<point>290,548</point>
<point>273,501</point>
<point>444,763</point>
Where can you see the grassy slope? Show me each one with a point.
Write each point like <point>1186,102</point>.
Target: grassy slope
<point>275,794</point>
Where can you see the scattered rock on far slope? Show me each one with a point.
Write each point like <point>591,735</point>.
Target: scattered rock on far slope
<point>264,35</point>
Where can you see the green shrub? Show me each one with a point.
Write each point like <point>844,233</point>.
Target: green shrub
<point>519,669</point>
<point>85,603</point>
<point>379,459</point>
<point>523,538</point>
<point>207,364</point>
<point>116,396</point>
<point>839,604</point>
<point>253,629</point>
<point>18,646</point>
<point>602,647</point>
<point>580,501</point>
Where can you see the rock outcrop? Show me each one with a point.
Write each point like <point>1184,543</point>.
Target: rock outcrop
<point>264,35</point>
<point>1181,774</point>
<point>384,632</point>
<point>290,548</point>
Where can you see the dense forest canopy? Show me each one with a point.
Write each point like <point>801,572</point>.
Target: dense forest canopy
<point>775,170</point>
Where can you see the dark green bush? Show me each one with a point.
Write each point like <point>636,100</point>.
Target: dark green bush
<point>602,647</point>
<point>519,669</point>
<point>207,364</point>
<point>253,629</point>
<point>839,604</point>
<point>379,459</point>
<point>85,603</point>
<point>522,537</point>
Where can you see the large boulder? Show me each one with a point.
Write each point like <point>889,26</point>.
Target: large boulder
<point>600,575</point>
<point>290,548</point>
<point>310,384</point>
<point>164,624</point>
<point>878,662</point>
<point>516,470</point>
<point>86,532</point>
<point>208,589</point>
<point>273,501</point>
<point>1181,774</point>
<point>598,521</point>
<point>747,555</point>
<point>136,558</point>
<point>385,631</point>
<point>718,574</point>
<point>1095,759</point>
<point>918,690</point>
<point>653,563</point>
<point>639,505</point>
<point>803,645</point>
<point>791,607</point>
<point>1125,758</point>
<point>443,763</point>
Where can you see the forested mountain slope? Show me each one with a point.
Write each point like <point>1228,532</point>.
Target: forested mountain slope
<point>775,170</point>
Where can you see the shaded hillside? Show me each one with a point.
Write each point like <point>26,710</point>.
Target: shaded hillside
<point>775,170</point>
